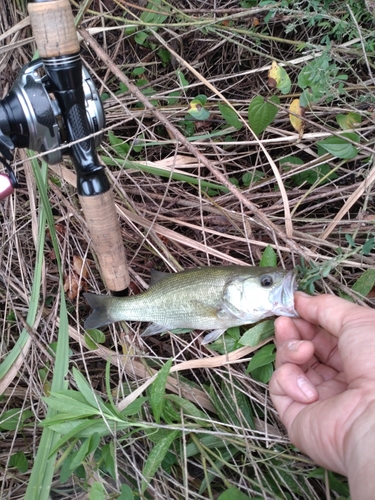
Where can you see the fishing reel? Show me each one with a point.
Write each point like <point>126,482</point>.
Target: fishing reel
<point>30,117</point>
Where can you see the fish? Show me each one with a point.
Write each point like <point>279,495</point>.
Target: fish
<point>205,298</point>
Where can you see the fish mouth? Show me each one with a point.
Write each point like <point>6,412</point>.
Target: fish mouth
<point>282,298</point>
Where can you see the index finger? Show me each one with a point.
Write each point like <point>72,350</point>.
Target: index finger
<point>328,311</point>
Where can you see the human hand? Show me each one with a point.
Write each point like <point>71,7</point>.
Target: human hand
<point>324,384</point>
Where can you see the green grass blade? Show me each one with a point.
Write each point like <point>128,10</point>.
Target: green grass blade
<point>165,173</point>
<point>43,469</point>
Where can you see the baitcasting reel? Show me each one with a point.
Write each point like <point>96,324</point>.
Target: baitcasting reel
<point>30,117</point>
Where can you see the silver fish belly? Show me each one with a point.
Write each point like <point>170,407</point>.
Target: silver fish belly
<point>207,298</point>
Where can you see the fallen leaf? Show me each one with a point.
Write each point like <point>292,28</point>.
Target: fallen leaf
<point>72,286</point>
<point>80,267</point>
<point>296,115</point>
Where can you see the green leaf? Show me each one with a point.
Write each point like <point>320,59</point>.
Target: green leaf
<point>155,458</point>
<point>261,113</point>
<point>286,162</point>
<point>139,70</point>
<point>164,55</point>
<point>322,173</point>
<point>72,407</point>
<point>209,441</point>
<point>94,441</point>
<point>269,257</point>
<point>119,145</point>
<point>126,493</point>
<point>80,455</point>
<point>339,147</point>
<point>188,408</point>
<point>368,246</point>
<point>85,428</point>
<point>234,332</point>
<point>263,357</point>
<point>168,462</point>
<point>234,494</point>
<point>141,37</point>
<point>19,461</point>
<point>350,240</point>
<point>93,338</point>
<point>230,116</point>
<point>235,400</point>
<point>73,433</point>
<point>134,407</point>
<point>181,77</point>
<point>88,393</point>
<point>258,333</point>
<point>157,397</point>
<point>173,97</point>
<point>156,12</point>
<point>254,176</point>
<point>196,108</point>
<point>66,471</point>
<point>349,121</point>
<point>108,456</point>
<point>315,72</point>
<point>284,84</point>
<point>97,491</point>
<point>307,98</point>
<point>225,344</point>
<point>13,419</point>
<point>365,283</point>
<point>263,373</point>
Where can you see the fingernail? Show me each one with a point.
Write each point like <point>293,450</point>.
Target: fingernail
<point>306,387</point>
<point>294,344</point>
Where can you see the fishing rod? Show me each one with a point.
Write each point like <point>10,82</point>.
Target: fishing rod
<point>62,108</point>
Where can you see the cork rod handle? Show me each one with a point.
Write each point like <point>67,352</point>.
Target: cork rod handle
<point>56,38</point>
<point>53,28</point>
<point>101,219</point>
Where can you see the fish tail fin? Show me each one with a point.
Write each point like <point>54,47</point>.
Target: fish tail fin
<point>101,315</point>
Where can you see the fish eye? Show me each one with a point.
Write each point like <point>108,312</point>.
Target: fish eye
<point>266,280</point>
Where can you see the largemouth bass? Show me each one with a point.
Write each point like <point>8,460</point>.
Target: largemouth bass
<point>207,298</point>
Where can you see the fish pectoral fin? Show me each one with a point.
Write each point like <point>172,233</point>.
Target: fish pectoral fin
<point>154,329</point>
<point>215,334</point>
<point>228,313</point>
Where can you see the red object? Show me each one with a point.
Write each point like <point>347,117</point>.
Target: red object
<point>6,186</point>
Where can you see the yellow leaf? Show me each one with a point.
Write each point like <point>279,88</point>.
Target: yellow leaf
<point>296,121</point>
<point>278,77</point>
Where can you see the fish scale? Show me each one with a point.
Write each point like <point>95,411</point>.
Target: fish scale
<point>207,298</point>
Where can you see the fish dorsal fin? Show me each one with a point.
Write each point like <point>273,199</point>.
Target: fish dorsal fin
<point>157,276</point>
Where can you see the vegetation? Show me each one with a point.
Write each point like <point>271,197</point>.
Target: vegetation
<point>239,133</point>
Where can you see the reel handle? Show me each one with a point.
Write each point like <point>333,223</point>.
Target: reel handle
<point>56,38</point>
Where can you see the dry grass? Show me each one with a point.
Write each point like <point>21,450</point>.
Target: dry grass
<point>171,225</point>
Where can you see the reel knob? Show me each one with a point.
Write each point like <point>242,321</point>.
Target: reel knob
<point>6,186</point>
